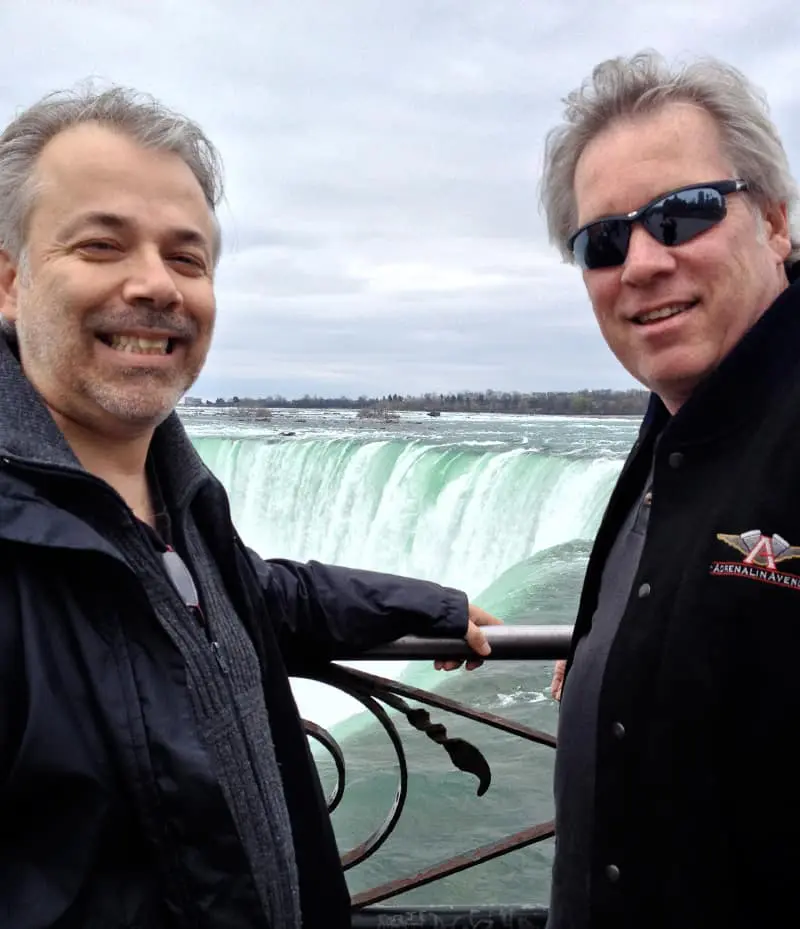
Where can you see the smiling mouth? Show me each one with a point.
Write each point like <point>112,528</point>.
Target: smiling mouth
<point>665,312</point>
<point>137,345</point>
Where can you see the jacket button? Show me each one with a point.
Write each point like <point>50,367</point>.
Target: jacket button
<point>612,873</point>
<point>644,591</point>
<point>618,729</point>
<point>676,460</point>
<point>648,498</point>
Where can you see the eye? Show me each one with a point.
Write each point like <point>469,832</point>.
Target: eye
<point>99,248</point>
<point>193,262</point>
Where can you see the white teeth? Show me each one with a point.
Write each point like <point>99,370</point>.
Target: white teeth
<point>129,343</point>
<point>663,313</point>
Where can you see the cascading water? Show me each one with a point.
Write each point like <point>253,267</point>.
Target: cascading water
<point>461,515</point>
<point>452,515</point>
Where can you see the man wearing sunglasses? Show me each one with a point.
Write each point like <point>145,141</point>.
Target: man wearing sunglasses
<point>676,773</point>
<point>154,771</point>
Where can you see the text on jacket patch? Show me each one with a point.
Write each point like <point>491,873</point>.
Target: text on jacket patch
<point>761,556</point>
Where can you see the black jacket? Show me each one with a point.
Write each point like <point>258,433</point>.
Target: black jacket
<point>696,794</point>
<point>90,730</point>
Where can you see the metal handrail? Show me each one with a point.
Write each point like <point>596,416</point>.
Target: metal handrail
<point>509,643</point>
<point>380,696</point>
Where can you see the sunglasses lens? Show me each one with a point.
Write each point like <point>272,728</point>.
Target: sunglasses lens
<point>681,216</point>
<point>602,245</point>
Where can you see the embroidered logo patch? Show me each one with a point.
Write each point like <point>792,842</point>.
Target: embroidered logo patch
<point>761,556</point>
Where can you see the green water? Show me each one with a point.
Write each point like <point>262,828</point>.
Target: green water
<point>503,507</point>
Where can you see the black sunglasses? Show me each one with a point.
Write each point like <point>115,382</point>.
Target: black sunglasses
<point>671,219</point>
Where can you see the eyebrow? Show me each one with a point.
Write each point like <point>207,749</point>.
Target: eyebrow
<point>117,223</point>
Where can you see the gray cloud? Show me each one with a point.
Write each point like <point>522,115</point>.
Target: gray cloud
<point>381,224</point>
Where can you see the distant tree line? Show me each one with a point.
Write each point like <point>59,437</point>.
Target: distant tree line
<point>564,403</point>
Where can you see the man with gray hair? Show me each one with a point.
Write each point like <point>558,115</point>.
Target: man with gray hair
<point>154,771</point>
<point>671,191</point>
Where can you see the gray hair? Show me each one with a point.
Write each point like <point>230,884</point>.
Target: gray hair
<point>620,88</point>
<point>138,116</point>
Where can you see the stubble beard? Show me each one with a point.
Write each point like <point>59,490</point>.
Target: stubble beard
<point>56,361</point>
<point>138,396</point>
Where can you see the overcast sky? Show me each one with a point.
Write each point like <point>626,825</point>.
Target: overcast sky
<point>381,226</point>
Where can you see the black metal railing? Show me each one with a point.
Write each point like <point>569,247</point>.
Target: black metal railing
<point>451,917</point>
<point>379,696</point>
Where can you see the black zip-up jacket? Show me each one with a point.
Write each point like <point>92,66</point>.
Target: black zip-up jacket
<point>697,813</point>
<point>91,708</point>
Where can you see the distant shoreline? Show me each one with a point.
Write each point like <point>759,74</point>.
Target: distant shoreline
<point>550,403</point>
<point>300,410</point>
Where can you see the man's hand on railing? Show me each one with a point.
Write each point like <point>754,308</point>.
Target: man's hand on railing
<point>558,679</point>
<point>475,638</point>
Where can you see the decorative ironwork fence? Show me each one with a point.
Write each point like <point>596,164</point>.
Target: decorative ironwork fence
<point>379,695</point>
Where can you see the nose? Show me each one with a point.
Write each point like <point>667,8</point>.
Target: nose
<point>151,282</point>
<point>646,259</point>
